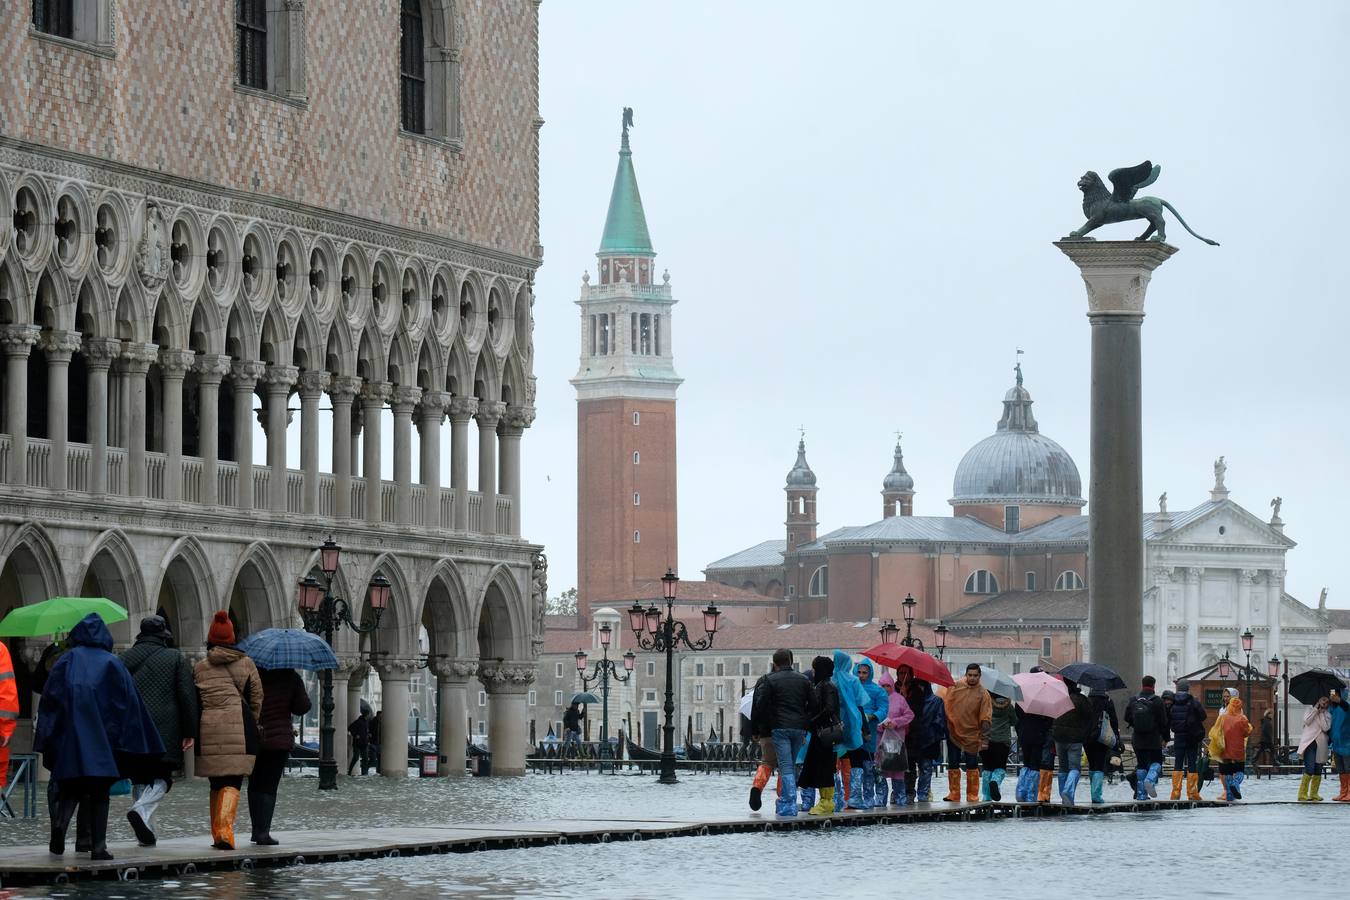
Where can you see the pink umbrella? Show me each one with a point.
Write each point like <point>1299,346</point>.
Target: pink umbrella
<point>1043,694</point>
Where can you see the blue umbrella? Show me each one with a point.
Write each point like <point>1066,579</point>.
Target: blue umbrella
<point>1090,675</point>
<point>288,648</point>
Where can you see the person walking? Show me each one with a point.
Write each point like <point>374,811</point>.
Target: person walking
<point>1101,742</point>
<point>227,744</point>
<point>1338,741</point>
<point>780,715</point>
<point>92,727</point>
<point>1038,757</point>
<point>893,731</point>
<point>926,737</point>
<point>994,758</point>
<point>1146,714</point>
<point>1229,738</point>
<point>826,730</point>
<point>1265,751</point>
<point>376,750</point>
<point>1070,731</point>
<point>970,715</point>
<point>848,749</point>
<point>164,678</point>
<point>1313,748</point>
<point>9,710</point>
<point>1186,722</point>
<point>572,717</point>
<point>284,696</point>
<point>360,732</point>
<point>874,710</point>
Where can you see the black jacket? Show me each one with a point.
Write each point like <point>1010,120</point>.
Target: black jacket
<point>1033,731</point>
<point>1101,703</point>
<point>1078,724</point>
<point>1146,738</point>
<point>782,700</point>
<point>164,678</point>
<point>1187,719</point>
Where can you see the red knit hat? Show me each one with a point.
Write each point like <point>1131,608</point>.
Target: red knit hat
<point>222,632</point>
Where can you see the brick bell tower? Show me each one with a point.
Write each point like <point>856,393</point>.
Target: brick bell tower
<point>626,384</point>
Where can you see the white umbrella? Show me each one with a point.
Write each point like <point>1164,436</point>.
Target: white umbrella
<point>747,703</point>
<point>996,682</point>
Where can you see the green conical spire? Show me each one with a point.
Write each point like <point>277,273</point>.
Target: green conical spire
<point>626,223</point>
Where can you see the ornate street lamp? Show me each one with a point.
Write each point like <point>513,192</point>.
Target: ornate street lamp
<point>889,632</point>
<point>663,635</point>
<point>1247,639</point>
<point>1225,666</point>
<point>908,605</point>
<point>605,669</point>
<point>940,635</point>
<point>323,614</point>
<point>1273,670</point>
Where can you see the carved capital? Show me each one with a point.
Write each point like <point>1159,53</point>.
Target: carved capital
<point>465,668</point>
<point>375,394</point>
<point>279,377</point>
<point>18,340</point>
<point>60,346</point>
<point>404,397</point>
<point>1193,575</point>
<point>462,409</point>
<point>137,357</point>
<point>1275,575</point>
<point>502,677</point>
<point>176,363</point>
<point>312,384</point>
<point>344,388</point>
<point>518,417</point>
<point>348,666</point>
<point>1248,576</point>
<point>396,669</point>
<point>489,413</point>
<point>100,352</point>
<point>212,367</point>
<point>433,405</point>
<point>246,373</point>
<point>1163,574</point>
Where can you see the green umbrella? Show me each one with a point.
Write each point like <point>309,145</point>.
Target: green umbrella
<point>58,615</point>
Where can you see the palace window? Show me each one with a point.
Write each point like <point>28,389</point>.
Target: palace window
<point>1046,648</point>
<point>428,69</point>
<point>651,669</point>
<point>720,692</point>
<point>698,670</point>
<point>637,457</point>
<point>557,698</point>
<point>533,697</point>
<point>820,582</point>
<point>412,76</point>
<point>698,693</point>
<point>720,669</point>
<point>982,581</point>
<point>55,17</point>
<point>482,698</point>
<point>557,670</point>
<point>1031,581</point>
<point>269,47</point>
<point>1068,581</point>
<point>83,21</point>
<point>1012,519</point>
<point>250,30</point>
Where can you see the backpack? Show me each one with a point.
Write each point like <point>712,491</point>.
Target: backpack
<point>1141,715</point>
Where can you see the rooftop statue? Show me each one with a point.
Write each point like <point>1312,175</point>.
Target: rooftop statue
<point>1103,207</point>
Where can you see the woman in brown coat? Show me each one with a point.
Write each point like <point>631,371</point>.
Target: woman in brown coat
<point>227,741</point>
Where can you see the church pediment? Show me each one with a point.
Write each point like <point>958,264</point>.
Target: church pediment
<point>1227,525</point>
<point>1295,614</point>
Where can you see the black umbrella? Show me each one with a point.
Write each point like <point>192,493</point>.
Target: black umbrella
<point>1307,686</point>
<point>1091,675</point>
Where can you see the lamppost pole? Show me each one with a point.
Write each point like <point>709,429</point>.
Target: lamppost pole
<point>1247,673</point>
<point>890,631</point>
<point>664,634</point>
<point>605,669</point>
<point>324,614</point>
<point>1273,670</point>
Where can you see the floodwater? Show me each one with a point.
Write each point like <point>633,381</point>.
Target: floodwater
<point>1244,850</point>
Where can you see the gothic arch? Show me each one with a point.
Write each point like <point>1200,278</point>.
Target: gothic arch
<point>206,332</point>
<point>397,634</point>
<point>170,330</point>
<point>185,588</point>
<point>13,294</point>
<point>458,374</point>
<point>305,347</point>
<point>274,346</point>
<point>503,632</point>
<point>37,567</point>
<point>52,304</point>
<point>513,381</point>
<point>445,612</point>
<point>370,363</point>
<point>430,369</point>
<point>401,369</point>
<point>131,320</point>
<point>241,332</point>
<point>486,377</point>
<point>257,592</point>
<point>338,356</point>
<point>109,569</point>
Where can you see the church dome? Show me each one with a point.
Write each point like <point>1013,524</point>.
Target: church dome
<point>801,475</point>
<point>1017,464</point>
<point>897,480</point>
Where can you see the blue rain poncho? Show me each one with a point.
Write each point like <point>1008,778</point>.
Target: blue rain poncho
<point>878,705</point>
<point>852,701</point>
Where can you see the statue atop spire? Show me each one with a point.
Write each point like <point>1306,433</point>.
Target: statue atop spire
<point>626,224</point>
<point>627,124</point>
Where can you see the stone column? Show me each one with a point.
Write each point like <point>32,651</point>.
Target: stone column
<point>403,399</point>
<point>278,381</point>
<point>174,365</point>
<point>342,714</point>
<point>16,341</point>
<point>136,358</point>
<point>430,415</point>
<point>59,347</point>
<point>1116,274</point>
<point>312,385</point>
<point>452,713</point>
<point>374,395</point>
<point>1193,576</point>
<point>1274,600</point>
<point>507,685</point>
<point>394,678</point>
<point>99,354</point>
<point>1157,666</point>
<point>513,425</point>
<point>461,410</point>
<point>489,414</point>
<point>1244,605</point>
<point>341,393</point>
<point>210,369</point>
<point>244,377</point>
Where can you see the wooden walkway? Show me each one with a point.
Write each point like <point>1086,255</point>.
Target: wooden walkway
<point>175,857</point>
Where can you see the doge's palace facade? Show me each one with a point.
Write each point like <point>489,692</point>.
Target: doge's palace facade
<point>320,218</point>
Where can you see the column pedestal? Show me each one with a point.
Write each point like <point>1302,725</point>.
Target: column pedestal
<point>507,685</point>
<point>1117,274</point>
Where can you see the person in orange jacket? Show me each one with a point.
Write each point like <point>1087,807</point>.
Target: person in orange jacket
<point>970,721</point>
<point>9,710</point>
<point>1231,730</point>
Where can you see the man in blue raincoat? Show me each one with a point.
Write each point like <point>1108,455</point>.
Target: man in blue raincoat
<point>852,701</point>
<point>92,730</point>
<point>863,790</point>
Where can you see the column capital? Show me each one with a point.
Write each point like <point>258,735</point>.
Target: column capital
<point>1193,575</point>
<point>506,677</point>
<point>278,377</point>
<point>404,397</point>
<point>246,373</point>
<point>100,352</point>
<point>433,405</point>
<point>396,669</point>
<point>518,417</point>
<point>1248,576</point>
<point>60,345</point>
<point>137,357</point>
<point>212,367</point>
<point>1163,574</point>
<point>454,669</point>
<point>376,394</point>
<point>175,363</point>
<point>462,409</point>
<point>312,384</point>
<point>489,413</point>
<point>344,388</point>
<point>18,340</point>
<point>1275,574</point>
<point>1116,273</point>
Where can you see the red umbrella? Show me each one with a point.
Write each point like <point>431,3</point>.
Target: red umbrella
<point>924,666</point>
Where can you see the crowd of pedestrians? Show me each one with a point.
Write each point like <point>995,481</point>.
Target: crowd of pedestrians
<point>841,738</point>
<point>104,719</point>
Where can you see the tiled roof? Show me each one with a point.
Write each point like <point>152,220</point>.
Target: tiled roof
<point>1180,519</point>
<point>761,555</point>
<point>852,636</point>
<point>1340,618</point>
<point>699,592</point>
<point>566,640</point>
<point>1029,607</point>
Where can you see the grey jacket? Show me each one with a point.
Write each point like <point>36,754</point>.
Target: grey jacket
<point>164,678</point>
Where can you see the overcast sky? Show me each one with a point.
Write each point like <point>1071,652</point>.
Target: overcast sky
<point>856,204</point>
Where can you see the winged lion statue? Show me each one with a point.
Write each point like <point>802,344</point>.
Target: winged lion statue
<point>1103,207</point>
